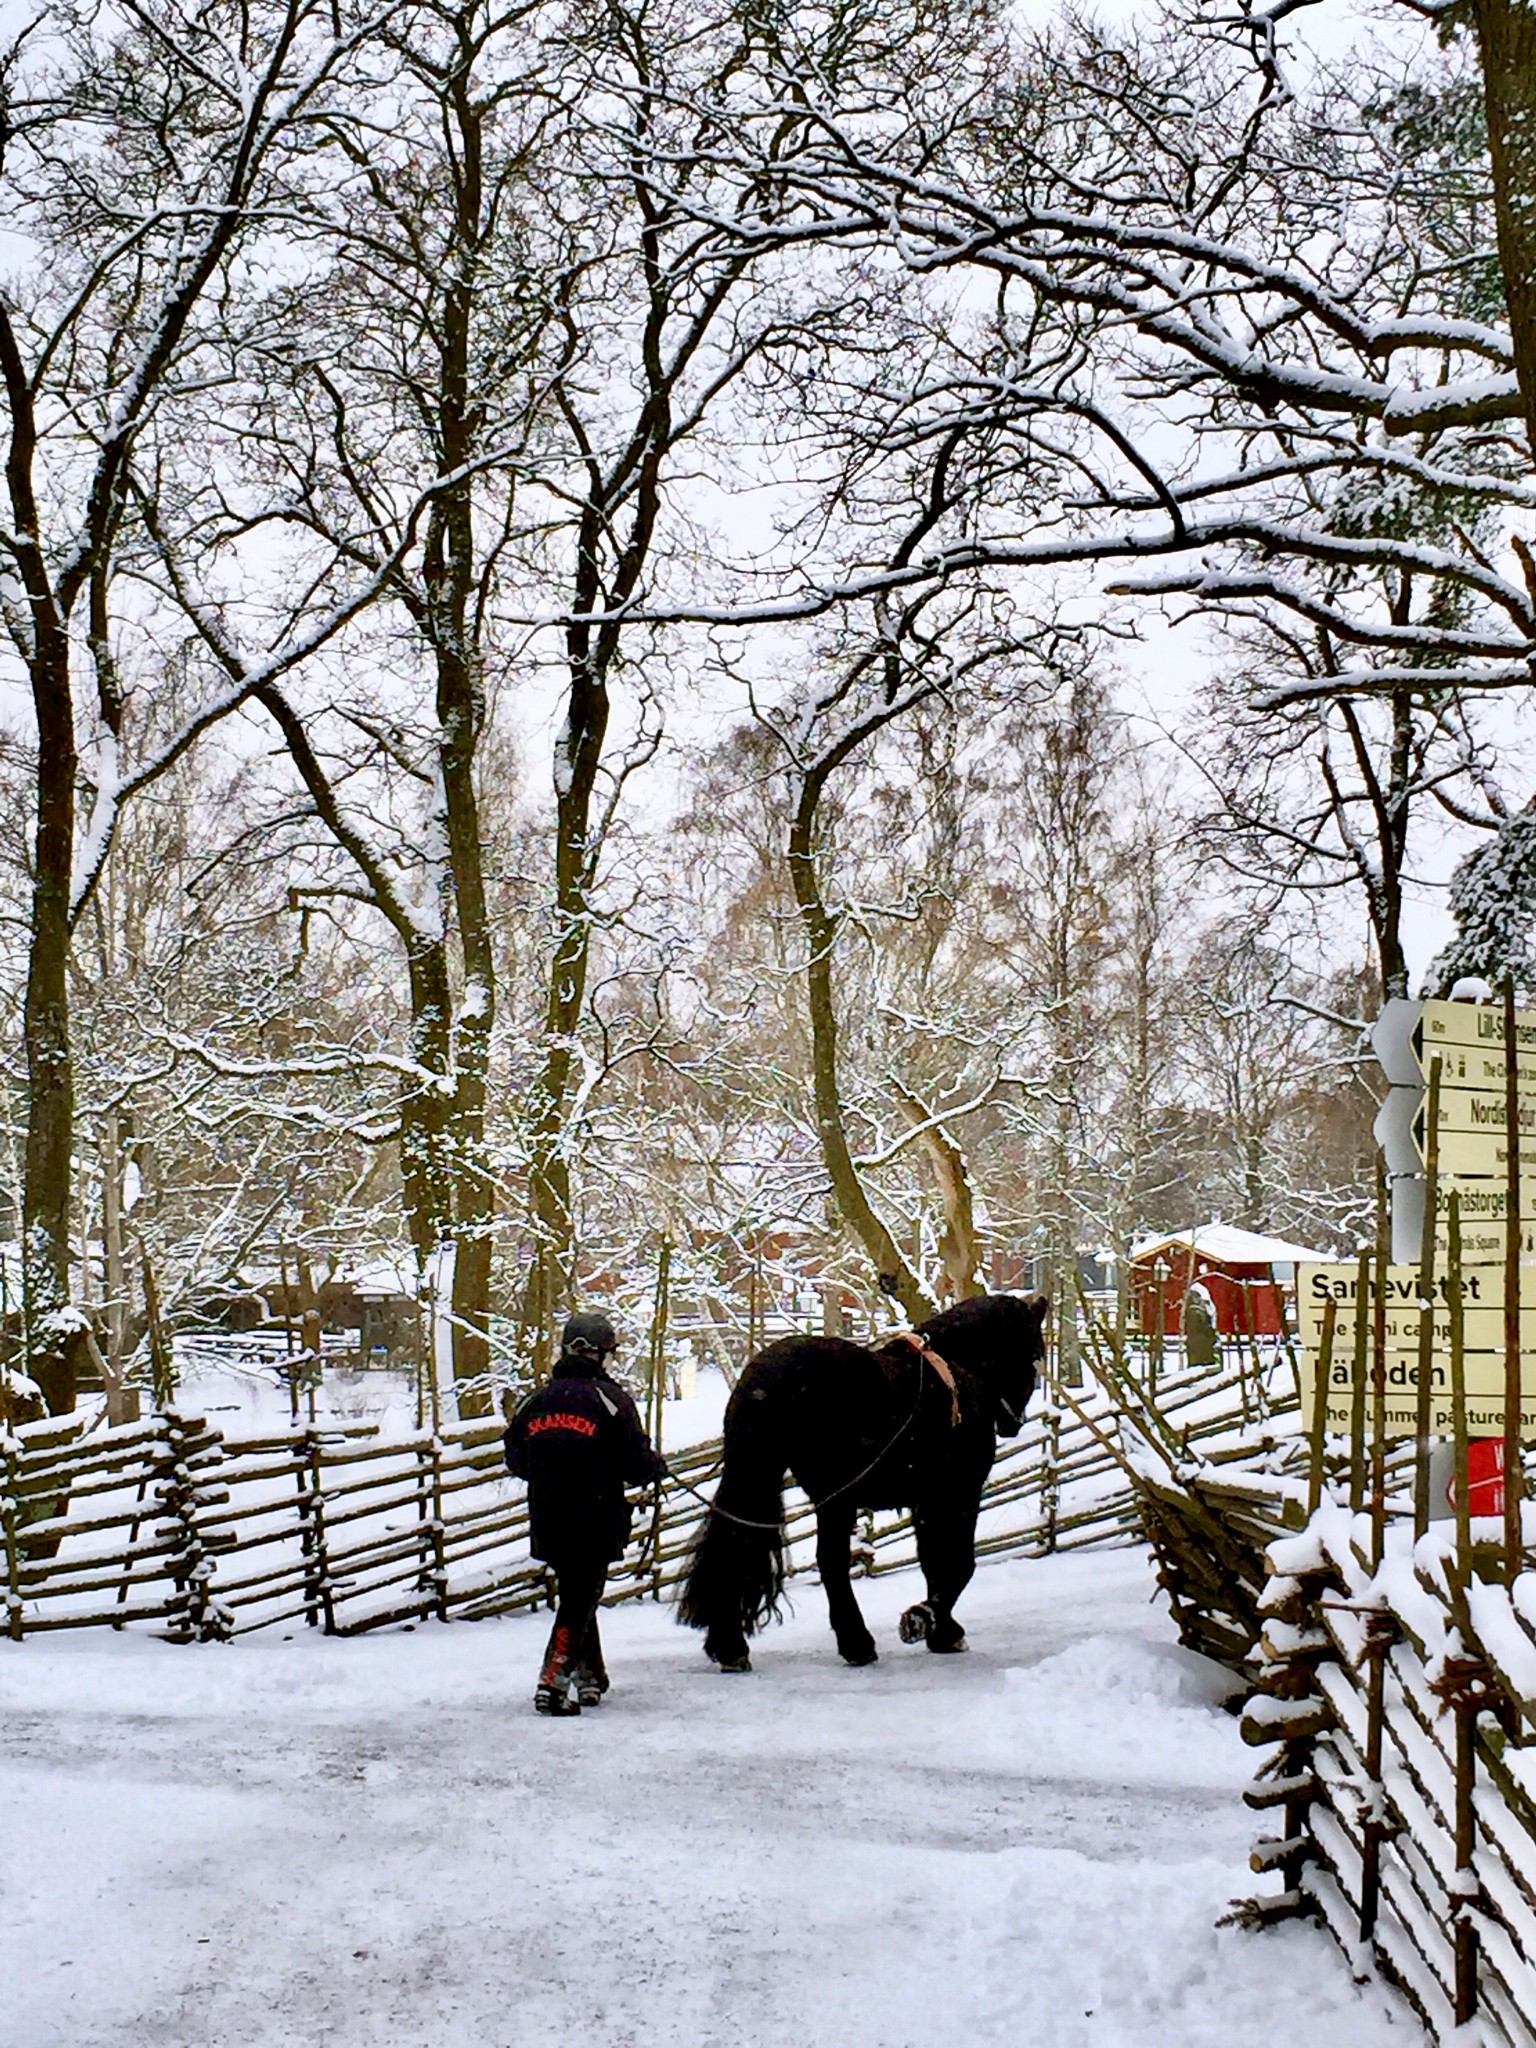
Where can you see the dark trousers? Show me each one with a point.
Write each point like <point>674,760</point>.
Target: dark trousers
<point>574,1643</point>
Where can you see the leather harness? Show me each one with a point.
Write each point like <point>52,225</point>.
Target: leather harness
<point>929,1356</point>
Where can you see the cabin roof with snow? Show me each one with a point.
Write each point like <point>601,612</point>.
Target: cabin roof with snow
<point>1228,1246</point>
<point>383,1279</point>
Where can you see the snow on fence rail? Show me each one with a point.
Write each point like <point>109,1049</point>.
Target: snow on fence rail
<point>169,1522</point>
<point>1398,1706</point>
<point>1400,1703</point>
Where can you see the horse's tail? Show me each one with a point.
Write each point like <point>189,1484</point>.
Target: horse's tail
<point>736,1572</point>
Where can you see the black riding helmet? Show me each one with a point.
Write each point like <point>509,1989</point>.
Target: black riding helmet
<point>588,1335</point>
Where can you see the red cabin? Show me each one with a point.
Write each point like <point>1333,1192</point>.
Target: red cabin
<point>1247,1276</point>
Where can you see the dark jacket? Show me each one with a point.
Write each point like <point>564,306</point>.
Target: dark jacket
<point>578,1441</point>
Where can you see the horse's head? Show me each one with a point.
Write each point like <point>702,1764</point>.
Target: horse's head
<point>1001,1339</point>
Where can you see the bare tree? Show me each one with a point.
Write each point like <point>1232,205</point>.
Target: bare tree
<point>1329,797</point>
<point>139,219</point>
<point>1255,294</point>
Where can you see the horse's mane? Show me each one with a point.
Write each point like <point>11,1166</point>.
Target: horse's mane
<point>983,1316</point>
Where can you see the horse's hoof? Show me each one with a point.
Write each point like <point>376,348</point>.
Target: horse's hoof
<point>860,1654</point>
<point>948,1646</point>
<point>917,1623</point>
<point>728,1660</point>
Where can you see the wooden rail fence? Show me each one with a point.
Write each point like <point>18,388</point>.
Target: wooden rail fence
<point>1397,1706</point>
<point>167,1522</point>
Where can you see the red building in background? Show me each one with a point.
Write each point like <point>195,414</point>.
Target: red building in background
<point>1246,1275</point>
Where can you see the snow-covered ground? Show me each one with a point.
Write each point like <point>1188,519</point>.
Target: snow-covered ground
<point>376,1844</point>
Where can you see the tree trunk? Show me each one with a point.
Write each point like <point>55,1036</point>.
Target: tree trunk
<point>451,586</point>
<point>820,929</point>
<point>122,1400</point>
<point>424,1107</point>
<point>1506,35</point>
<point>474,1187</point>
<point>1395,807</point>
<point>959,1245</point>
<point>1253,1181</point>
<point>552,1282</point>
<point>50,1072</point>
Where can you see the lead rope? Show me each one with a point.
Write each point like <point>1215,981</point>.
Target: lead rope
<point>926,1355</point>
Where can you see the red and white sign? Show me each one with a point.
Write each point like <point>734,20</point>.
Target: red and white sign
<point>1485,1476</point>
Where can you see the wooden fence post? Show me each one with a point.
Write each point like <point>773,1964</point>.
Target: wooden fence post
<point>1050,1491</point>
<point>1379,1634</point>
<point>1322,1373</point>
<point>1357,1390</point>
<point>9,1515</point>
<point>423,1344</point>
<point>1466,1886</point>
<point>1373,1828</point>
<point>319,1594</point>
<point>126,1580</point>
<point>193,1455</point>
<point>655,1391</point>
<point>434,1553</point>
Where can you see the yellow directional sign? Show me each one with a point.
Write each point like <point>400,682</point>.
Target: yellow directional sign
<point>1482,1325</point>
<point>1483,1110</point>
<point>1482,1201</point>
<point>1482,1236</point>
<point>1485,1398</point>
<point>1482,1305</point>
<point>1484,1155</point>
<point>1470,1040</point>
<point>1483,1335</point>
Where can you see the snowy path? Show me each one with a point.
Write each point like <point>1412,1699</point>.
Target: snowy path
<point>375,1844</point>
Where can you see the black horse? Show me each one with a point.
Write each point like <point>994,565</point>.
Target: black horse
<point>912,1424</point>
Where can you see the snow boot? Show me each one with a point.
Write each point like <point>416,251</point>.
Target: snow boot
<point>555,1699</point>
<point>590,1672</point>
<point>552,1695</point>
<point>591,1682</point>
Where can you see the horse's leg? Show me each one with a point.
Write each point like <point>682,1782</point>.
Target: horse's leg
<point>834,1540</point>
<point>946,1551</point>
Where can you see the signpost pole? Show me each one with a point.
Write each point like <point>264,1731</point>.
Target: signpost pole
<point>1458,1383</point>
<point>1379,1377</point>
<point>1512,1375</point>
<point>1322,1373</point>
